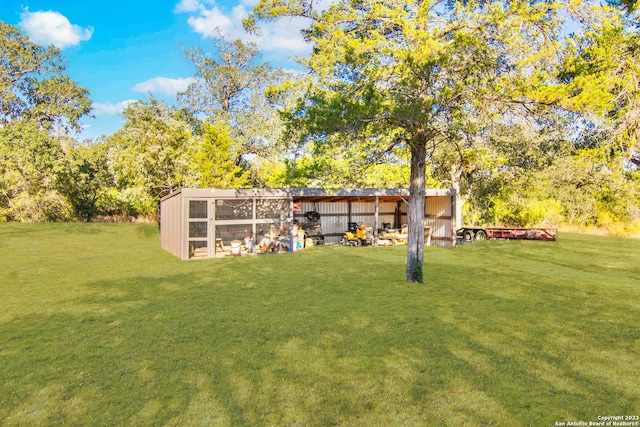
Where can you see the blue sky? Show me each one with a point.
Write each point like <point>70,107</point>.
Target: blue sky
<point>123,50</point>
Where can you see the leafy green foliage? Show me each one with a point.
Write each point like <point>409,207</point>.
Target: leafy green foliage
<point>39,105</point>
<point>33,86</point>
<point>334,165</point>
<point>30,160</point>
<point>151,155</point>
<point>574,190</point>
<point>233,90</point>
<point>216,160</point>
<point>87,182</point>
<point>601,78</point>
<point>226,84</point>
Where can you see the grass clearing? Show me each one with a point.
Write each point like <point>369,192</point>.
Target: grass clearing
<point>99,326</point>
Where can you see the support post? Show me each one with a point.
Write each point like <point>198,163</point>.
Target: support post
<point>376,225</point>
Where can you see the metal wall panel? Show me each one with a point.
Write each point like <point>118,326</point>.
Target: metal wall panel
<point>440,231</point>
<point>333,227</point>
<point>324,208</point>
<point>362,207</point>
<point>333,218</point>
<point>171,224</point>
<point>336,208</point>
<point>342,208</point>
<point>439,206</point>
<point>364,219</point>
<point>438,217</point>
<point>305,207</point>
<point>387,208</point>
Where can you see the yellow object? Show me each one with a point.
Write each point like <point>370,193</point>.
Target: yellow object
<point>358,235</point>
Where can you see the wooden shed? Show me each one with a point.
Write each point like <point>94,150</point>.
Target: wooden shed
<point>205,223</point>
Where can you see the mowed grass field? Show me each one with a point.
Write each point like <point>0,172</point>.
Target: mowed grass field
<point>99,326</point>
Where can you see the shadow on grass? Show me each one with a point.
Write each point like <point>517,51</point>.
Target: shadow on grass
<point>264,342</point>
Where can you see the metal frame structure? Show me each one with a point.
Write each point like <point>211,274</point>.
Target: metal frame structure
<point>207,222</point>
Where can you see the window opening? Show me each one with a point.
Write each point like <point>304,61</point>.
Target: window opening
<point>197,209</point>
<point>234,209</point>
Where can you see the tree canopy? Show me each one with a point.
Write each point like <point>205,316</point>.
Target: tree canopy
<point>39,107</point>
<point>231,90</point>
<point>33,85</point>
<point>424,75</point>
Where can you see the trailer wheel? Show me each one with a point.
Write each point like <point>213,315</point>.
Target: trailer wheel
<point>467,235</point>
<point>481,235</point>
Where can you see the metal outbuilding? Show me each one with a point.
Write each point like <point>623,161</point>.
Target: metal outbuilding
<point>205,223</point>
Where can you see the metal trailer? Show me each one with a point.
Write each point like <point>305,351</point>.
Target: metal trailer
<point>469,234</point>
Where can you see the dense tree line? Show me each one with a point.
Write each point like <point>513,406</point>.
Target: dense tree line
<point>529,109</point>
<point>225,134</point>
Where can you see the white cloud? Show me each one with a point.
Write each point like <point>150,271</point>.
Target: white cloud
<point>192,5</point>
<point>285,34</point>
<point>53,28</point>
<point>164,85</point>
<point>100,109</point>
<point>209,20</point>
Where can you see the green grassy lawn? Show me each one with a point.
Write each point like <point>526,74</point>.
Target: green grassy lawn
<point>99,326</point>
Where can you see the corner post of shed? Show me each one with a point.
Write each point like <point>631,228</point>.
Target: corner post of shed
<point>290,219</point>
<point>254,223</point>
<point>456,215</point>
<point>376,221</point>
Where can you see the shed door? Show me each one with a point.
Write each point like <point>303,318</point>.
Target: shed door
<point>198,229</point>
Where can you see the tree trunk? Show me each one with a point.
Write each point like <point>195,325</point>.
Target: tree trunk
<point>415,240</point>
